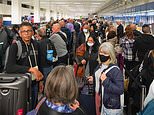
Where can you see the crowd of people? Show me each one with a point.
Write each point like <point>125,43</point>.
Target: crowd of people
<point>48,49</point>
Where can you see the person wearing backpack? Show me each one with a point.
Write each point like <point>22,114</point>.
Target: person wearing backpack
<point>109,83</point>
<point>59,40</point>
<point>6,38</point>
<point>47,52</point>
<point>28,61</point>
<point>144,43</point>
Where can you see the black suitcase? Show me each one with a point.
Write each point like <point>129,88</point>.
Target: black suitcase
<point>15,94</point>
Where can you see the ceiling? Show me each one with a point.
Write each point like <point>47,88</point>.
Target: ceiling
<point>71,7</point>
<point>120,7</point>
<point>84,7</point>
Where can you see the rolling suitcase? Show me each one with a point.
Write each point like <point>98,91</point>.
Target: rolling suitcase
<point>15,94</point>
<point>143,96</point>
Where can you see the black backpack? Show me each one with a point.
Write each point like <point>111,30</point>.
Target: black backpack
<point>4,44</point>
<point>19,53</point>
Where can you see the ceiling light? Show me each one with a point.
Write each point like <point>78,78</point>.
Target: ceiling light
<point>60,3</point>
<point>77,3</point>
<point>96,3</point>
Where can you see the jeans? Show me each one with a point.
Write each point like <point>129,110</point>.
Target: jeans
<point>106,111</point>
<point>62,60</point>
<point>87,102</point>
<point>34,94</point>
<point>46,71</point>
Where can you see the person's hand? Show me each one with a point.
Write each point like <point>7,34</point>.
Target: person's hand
<point>90,79</point>
<point>83,61</point>
<point>38,75</point>
<point>103,76</point>
<point>41,86</point>
<point>74,105</point>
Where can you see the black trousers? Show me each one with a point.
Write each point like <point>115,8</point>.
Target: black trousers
<point>62,60</point>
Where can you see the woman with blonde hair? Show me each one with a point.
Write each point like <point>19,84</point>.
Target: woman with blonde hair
<point>109,84</point>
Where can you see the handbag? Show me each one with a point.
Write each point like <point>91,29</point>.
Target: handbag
<point>80,71</point>
<point>35,111</point>
<point>81,50</point>
<point>126,83</point>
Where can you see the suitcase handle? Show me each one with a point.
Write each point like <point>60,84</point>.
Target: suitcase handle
<point>6,90</point>
<point>7,79</point>
<point>143,95</point>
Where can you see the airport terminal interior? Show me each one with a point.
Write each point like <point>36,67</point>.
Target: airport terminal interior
<point>76,57</point>
<point>127,10</point>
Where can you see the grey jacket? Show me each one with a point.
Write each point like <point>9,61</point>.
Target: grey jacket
<point>59,44</point>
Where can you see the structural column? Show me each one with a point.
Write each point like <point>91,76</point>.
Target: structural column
<point>54,15</point>
<point>36,11</point>
<point>16,11</point>
<point>47,15</point>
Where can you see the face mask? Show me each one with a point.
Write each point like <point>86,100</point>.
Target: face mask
<point>90,44</point>
<point>104,58</point>
<point>85,30</point>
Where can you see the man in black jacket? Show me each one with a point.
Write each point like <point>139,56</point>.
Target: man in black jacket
<point>144,43</point>
<point>47,53</point>
<point>28,61</point>
<point>120,30</point>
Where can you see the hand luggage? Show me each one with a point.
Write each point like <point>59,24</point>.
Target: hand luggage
<point>15,94</point>
<point>143,96</point>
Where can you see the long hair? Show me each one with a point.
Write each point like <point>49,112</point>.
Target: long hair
<point>96,43</point>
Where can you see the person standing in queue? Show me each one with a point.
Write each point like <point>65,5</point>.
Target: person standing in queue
<point>109,83</point>
<point>28,61</point>
<point>61,92</point>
